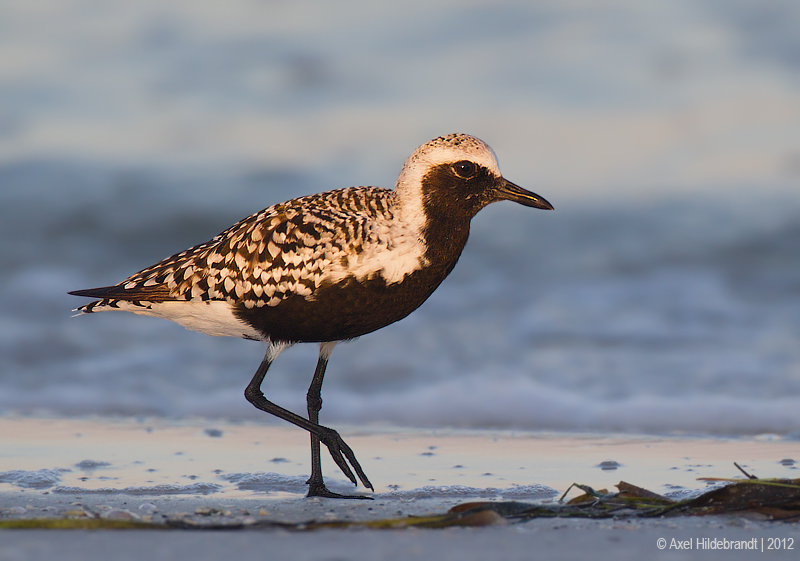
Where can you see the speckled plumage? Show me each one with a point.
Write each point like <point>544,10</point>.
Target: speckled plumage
<point>325,268</point>
<point>289,249</point>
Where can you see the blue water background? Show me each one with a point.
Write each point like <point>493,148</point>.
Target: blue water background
<point>662,295</point>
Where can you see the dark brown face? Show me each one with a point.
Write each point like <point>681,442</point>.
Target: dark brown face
<point>459,190</point>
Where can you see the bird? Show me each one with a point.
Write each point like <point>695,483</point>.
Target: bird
<point>325,268</point>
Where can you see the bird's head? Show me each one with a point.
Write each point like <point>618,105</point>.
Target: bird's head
<point>456,176</point>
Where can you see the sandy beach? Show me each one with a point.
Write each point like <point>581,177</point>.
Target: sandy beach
<point>152,469</point>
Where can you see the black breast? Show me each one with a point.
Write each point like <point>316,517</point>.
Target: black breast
<point>347,309</point>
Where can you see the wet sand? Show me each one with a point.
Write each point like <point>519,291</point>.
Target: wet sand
<point>149,469</point>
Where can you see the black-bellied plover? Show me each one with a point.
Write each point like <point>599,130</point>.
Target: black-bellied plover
<point>325,268</point>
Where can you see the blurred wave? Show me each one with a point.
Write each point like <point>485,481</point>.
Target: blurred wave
<point>663,294</point>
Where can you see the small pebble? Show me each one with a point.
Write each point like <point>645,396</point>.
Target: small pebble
<point>208,511</point>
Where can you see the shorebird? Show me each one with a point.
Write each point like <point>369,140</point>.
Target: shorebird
<point>325,268</point>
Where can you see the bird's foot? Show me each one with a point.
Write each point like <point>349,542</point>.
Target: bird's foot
<point>318,489</point>
<point>339,451</point>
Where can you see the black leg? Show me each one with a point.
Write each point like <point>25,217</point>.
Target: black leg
<point>339,450</point>
<point>316,484</point>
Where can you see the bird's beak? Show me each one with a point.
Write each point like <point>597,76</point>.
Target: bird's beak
<point>509,192</point>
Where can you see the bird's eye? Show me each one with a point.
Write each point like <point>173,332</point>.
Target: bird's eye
<point>465,169</point>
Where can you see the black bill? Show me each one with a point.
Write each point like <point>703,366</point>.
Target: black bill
<point>511,192</point>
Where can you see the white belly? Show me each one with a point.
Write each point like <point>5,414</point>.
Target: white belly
<point>214,317</point>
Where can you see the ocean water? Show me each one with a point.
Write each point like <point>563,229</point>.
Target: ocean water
<point>662,294</point>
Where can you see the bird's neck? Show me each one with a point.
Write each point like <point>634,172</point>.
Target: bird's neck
<point>443,232</point>
<point>445,238</point>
